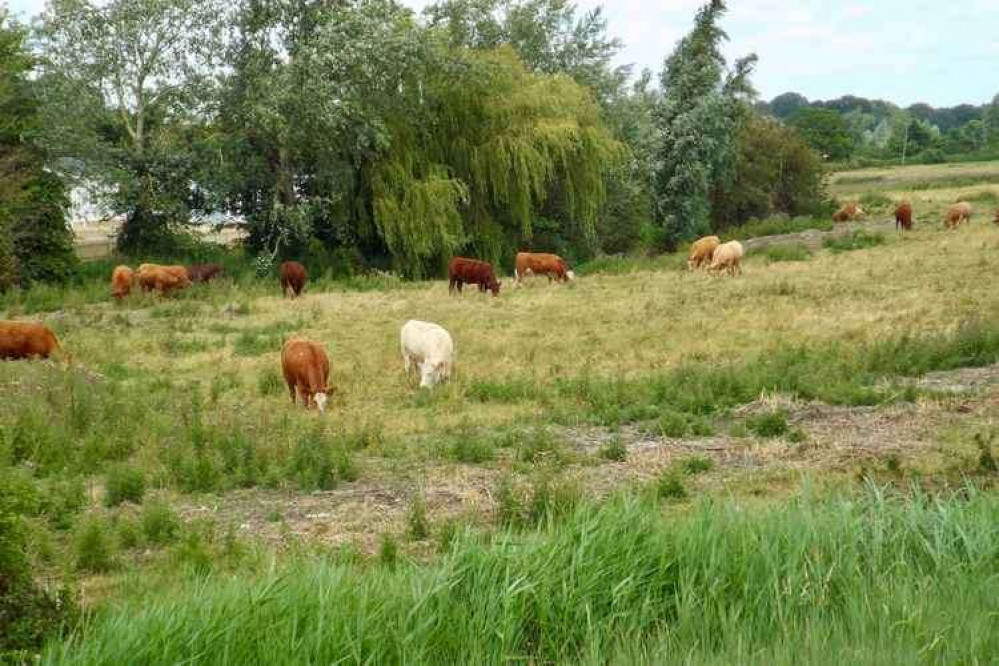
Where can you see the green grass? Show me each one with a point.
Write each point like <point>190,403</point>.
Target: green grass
<point>779,253</point>
<point>858,240</point>
<point>871,579</point>
<point>776,226</point>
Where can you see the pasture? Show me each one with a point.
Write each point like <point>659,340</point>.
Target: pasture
<point>585,423</point>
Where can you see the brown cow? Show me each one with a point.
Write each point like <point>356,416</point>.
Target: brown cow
<point>163,279</point>
<point>306,370</point>
<point>462,271</point>
<point>958,213</point>
<point>848,213</point>
<point>532,263</point>
<point>702,251</point>
<point>997,216</point>
<point>728,257</point>
<point>122,279</point>
<point>25,340</point>
<point>200,273</point>
<point>903,216</point>
<point>293,278</point>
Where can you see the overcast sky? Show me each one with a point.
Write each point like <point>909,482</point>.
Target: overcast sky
<point>942,52</point>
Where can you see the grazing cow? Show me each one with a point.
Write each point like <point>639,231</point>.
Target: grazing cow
<point>26,340</point>
<point>293,278</point>
<point>429,349</point>
<point>306,370</point>
<point>702,251</point>
<point>728,257</point>
<point>903,216</point>
<point>122,279</point>
<point>461,271</point>
<point>958,213</point>
<point>848,213</point>
<point>163,279</point>
<point>552,265</point>
<point>204,272</point>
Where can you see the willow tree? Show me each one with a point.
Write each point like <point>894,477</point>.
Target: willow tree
<point>500,142</point>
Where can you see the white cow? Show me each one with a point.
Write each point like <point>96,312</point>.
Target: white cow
<point>430,349</point>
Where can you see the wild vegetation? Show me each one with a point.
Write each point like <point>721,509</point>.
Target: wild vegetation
<point>645,464</point>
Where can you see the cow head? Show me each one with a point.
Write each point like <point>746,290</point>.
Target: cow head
<point>321,399</point>
<point>494,286</point>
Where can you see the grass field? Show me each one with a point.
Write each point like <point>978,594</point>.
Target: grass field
<point>640,465</point>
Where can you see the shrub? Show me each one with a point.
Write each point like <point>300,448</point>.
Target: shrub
<point>124,484</point>
<point>780,253</point>
<point>418,528</point>
<point>29,614</point>
<point>669,486</point>
<point>159,523</point>
<point>93,549</point>
<point>697,465</point>
<point>858,240</point>
<point>615,450</point>
<point>768,424</point>
<point>469,447</point>
<point>388,550</point>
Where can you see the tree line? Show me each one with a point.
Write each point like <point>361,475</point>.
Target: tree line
<point>357,134</point>
<point>855,128</point>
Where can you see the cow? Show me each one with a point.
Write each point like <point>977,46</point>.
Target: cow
<point>702,251</point>
<point>552,265</point>
<point>201,273</point>
<point>163,279</point>
<point>848,213</point>
<point>26,340</point>
<point>306,369</point>
<point>429,349</point>
<point>122,278</point>
<point>958,213</point>
<point>997,217</point>
<point>293,278</point>
<point>462,271</point>
<point>728,257</point>
<point>903,216</point>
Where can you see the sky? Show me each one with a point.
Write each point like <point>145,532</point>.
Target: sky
<point>941,52</point>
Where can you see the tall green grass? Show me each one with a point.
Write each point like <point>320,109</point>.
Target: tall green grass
<point>868,579</point>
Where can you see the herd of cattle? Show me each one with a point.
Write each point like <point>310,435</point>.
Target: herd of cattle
<point>426,348</point>
<point>954,216</point>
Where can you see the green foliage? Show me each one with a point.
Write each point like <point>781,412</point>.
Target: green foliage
<point>775,173</point>
<point>897,579</point>
<point>124,484</point>
<point>825,131</point>
<point>779,225</point>
<point>669,486</point>
<point>697,465</point>
<point>768,425</point>
<point>858,240</point>
<point>699,116</point>
<point>417,525</point>
<point>36,244</point>
<point>159,524</point>
<point>94,549</point>
<point>780,253</point>
<point>615,450</point>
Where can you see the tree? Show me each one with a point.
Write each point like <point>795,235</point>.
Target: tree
<point>127,83</point>
<point>35,241</point>
<point>786,105</point>
<point>698,117</point>
<point>776,172</point>
<point>825,131</point>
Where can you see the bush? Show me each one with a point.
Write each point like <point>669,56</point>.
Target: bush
<point>94,550</point>
<point>418,528</point>
<point>29,614</point>
<point>768,424</point>
<point>159,524</point>
<point>779,253</point>
<point>858,240</point>
<point>778,226</point>
<point>669,486</point>
<point>124,484</point>
<point>697,465</point>
<point>615,450</point>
